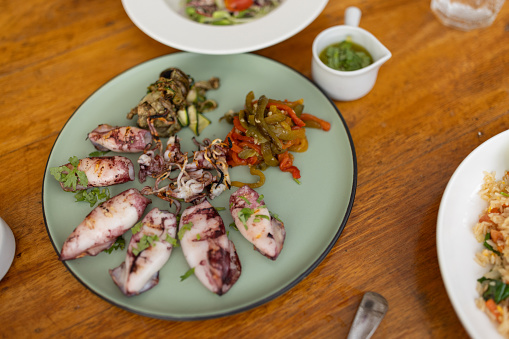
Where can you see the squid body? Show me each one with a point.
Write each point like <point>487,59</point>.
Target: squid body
<point>125,139</point>
<point>207,248</point>
<point>104,171</point>
<point>149,249</point>
<point>104,224</point>
<point>255,223</point>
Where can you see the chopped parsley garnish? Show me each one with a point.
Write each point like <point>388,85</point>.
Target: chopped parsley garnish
<point>232,225</point>
<point>93,195</point>
<point>119,244</point>
<point>198,237</point>
<point>245,199</point>
<point>70,176</point>
<point>189,273</point>
<point>220,208</point>
<point>504,194</point>
<point>245,214</point>
<point>260,198</point>
<point>136,228</point>
<point>145,242</point>
<point>275,216</point>
<point>171,240</point>
<point>184,229</point>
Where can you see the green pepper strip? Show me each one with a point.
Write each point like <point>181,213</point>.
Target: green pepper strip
<point>242,118</point>
<point>262,125</point>
<point>268,158</point>
<point>249,102</point>
<point>275,117</point>
<point>253,132</point>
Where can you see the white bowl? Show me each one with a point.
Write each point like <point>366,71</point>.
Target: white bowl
<point>7,248</point>
<point>351,85</point>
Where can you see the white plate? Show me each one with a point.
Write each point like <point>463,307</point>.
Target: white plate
<point>7,248</point>
<point>456,245</point>
<point>166,22</point>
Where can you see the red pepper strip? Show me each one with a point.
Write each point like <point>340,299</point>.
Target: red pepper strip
<point>237,124</point>
<point>282,107</point>
<point>252,146</point>
<point>286,164</point>
<point>252,161</point>
<point>236,148</point>
<point>324,124</point>
<point>238,136</point>
<point>294,103</point>
<point>236,161</point>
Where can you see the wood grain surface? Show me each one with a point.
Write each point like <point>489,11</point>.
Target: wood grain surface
<point>441,95</point>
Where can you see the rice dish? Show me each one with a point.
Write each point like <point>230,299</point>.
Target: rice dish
<point>492,230</point>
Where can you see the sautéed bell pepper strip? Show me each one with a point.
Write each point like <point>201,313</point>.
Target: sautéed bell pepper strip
<point>325,125</point>
<point>238,125</point>
<point>237,147</point>
<point>286,164</point>
<point>283,107</point>
<point>291,113</point>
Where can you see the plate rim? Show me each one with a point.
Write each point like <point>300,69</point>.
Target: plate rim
<point>250,305</point>
<point>240,45</point>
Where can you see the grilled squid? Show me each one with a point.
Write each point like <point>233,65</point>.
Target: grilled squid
<point>103,171</point>
<point>125,139</point>
<point>101,227</point>
<point>180,178</point>
<point>207,248</point>
<point>149,249</point>
<point>255,223</point>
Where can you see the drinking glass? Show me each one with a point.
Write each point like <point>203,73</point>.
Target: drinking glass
<point>466,14</point>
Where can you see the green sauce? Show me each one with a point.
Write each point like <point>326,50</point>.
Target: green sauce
<point>346,56</point>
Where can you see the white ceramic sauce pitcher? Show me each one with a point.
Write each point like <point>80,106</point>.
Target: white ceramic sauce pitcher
<point>348,85</point>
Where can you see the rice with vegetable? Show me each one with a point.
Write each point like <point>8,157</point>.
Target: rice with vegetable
<point>492,230</point>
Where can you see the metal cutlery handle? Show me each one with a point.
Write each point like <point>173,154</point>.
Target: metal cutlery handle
<point>370,313</point>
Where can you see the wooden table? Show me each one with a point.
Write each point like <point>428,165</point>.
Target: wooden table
<point>442,94</point>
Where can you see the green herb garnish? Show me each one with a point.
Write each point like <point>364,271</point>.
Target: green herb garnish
<point>189,273</point>
<point>145,242</point>
<point>245,214</point>
<point>93,195</point>
<point>497,290</point>
<point>245,199</point>
<point>184,229</point>
<point>260,198</point>
<point>220,208</point>
<point>136,228</point>
<point>275,216</point>
<point>171,240</point>
<point>487,245</point>
<point>70,176</point>
<point>119,244</point>
<point>232,225</point>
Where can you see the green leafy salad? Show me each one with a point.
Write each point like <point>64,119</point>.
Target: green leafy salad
<point>228,12</point>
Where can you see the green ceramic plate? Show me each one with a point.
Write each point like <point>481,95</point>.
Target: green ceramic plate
<point>314,212</point>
